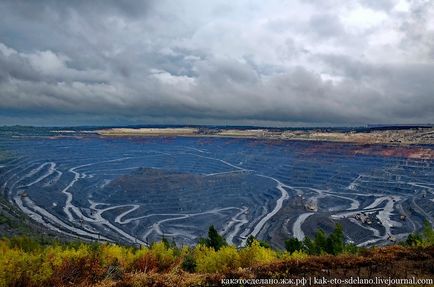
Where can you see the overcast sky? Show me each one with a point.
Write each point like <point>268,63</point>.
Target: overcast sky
<point>283,62</point>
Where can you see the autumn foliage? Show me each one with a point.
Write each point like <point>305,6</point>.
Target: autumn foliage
<point>27,262</point>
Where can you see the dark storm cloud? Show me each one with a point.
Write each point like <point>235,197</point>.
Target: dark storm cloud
<point>304,62</point>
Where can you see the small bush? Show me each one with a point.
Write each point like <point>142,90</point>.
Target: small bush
<point>423,239</point>
<point>189,263</point>
<point>146,262</point>
<point>209,260</point>
<point>256,254</point>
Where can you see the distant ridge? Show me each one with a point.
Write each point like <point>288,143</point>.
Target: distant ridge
<point>397,126</point>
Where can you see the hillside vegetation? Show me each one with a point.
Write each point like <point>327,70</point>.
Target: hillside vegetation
<point>28,262</point>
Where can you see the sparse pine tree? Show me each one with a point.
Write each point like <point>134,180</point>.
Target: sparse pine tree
<point>428,232</point>
<point>320,242</point>
<point>336,241</point>
<point>308,246</point>
<point>215,240</point>
<point>293,244</point>
<point>413,239</point>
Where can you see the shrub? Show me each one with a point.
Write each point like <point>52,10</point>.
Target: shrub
<point>24,243</point>
<point>77,265</point>
<point>262,243</point>
<point>19,268</point>
<point>145,261</point>
<point>189,263</point>
<point>118,255</point>
<point>165,256</point>
<point>424,239</point>
<point>209,260</point>
<point>256,254</point>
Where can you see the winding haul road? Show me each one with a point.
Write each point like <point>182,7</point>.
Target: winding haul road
<point>283,196</point>
<point>79,224</point>
<point>297,231</point>
<point>76,218</point>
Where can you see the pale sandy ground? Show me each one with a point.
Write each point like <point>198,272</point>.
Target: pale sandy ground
<point>147,131</point>
<point>397,137</point>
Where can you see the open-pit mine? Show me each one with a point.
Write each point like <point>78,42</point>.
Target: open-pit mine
<point>138,189</point>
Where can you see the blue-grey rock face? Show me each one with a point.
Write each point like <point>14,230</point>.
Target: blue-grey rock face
<point>137,190</point>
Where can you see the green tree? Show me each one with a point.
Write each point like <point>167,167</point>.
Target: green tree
<point>413,239</point>
<point>308,246</point>
<point>293,244</point>
<point>320,242</point>
<point>214,240</point>
<point>336,241</point>
<point>428,232</point>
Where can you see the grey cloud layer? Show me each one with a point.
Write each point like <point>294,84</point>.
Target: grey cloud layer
<point>305,62</point>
